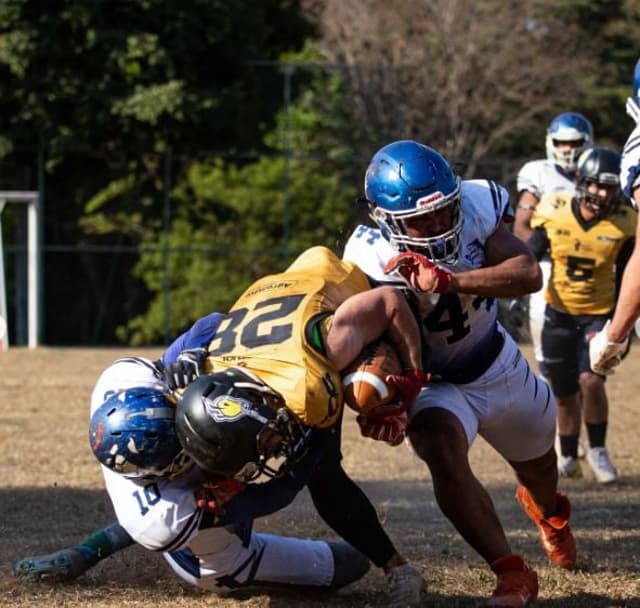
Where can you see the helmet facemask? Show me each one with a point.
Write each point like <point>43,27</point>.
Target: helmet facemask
<point>280,443</point>
<point>439,248</point>
<point>565,157</point>
<point>602,206</point>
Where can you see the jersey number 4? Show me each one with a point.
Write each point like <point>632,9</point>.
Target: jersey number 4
<point>448,315</point>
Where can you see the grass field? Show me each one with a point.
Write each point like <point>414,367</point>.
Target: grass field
<point>51,495</point>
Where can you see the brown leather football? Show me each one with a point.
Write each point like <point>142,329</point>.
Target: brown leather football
<point>364,380</point>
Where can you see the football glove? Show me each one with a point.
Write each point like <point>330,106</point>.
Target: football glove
<point>605,355</point>
<point>388,427</point>
<point>420,272</point>
<point>213,494</point>
<point>408,385</point>
<point>185,369</point>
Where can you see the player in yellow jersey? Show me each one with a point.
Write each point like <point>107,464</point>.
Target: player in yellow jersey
<point>590,237</point>
<point>282,328</point>
<point>272,377</point>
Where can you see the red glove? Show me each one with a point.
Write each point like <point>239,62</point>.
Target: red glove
<point>408,385</point>
<point>213,494</point>
<point>389,428</point>
<point>420,272</point>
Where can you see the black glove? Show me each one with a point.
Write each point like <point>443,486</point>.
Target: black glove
<point>185,369</point>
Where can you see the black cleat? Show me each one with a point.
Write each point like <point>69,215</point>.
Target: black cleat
<point>60,567</point>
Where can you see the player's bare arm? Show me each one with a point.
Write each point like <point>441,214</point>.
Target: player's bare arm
<point>365,317</point>
<point>524,210</point>
<point>510,269</point>
<point>628,306</point>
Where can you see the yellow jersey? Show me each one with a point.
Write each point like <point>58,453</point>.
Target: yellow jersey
<point>583,254</point>
<point>276,330</point>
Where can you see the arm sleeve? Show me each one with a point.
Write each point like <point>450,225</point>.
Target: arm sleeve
<point>346,508</point>
<point>199,335</point>
<point>539,242</point>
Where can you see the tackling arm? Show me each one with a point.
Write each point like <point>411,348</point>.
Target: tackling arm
<point>510,269</point>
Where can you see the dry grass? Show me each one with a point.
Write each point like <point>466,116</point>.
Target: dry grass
<point>51,495</point>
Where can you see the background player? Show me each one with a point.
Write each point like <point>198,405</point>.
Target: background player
<point>590,237</point>
<point>458,257</point>
<point>568,134</point>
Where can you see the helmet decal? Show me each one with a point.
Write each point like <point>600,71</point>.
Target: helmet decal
<point>226,408</point>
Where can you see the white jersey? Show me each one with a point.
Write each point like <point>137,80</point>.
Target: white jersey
<point>542,177</point>
<point>161,514</point>
<point>630,165</point>
<point>458,328</point>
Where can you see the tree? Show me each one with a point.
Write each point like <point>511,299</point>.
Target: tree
<point>470,78</point>
<point>236,222</point>
<point>101,91</point>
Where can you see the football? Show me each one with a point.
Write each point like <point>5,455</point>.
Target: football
<point>364,380</point>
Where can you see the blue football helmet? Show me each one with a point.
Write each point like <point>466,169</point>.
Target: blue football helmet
<point>406,180</point>
<point>633,102</point>
<point>134,433</point>
<point>568,126</point>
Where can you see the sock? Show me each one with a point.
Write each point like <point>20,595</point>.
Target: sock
<point>569,445</point>
<point>104,542</point>
<point>597,434</point>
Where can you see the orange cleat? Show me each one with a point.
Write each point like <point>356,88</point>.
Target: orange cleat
<point>555,533</point>
<point>517,584</point>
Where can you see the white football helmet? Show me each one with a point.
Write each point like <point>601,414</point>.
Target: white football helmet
<point>568,127</point>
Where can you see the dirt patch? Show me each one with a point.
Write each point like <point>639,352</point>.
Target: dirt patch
<point>51,495</point>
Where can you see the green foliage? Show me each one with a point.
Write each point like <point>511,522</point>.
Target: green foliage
<point>233,225</point>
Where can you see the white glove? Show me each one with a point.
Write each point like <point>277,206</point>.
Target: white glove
<point>605,355</point>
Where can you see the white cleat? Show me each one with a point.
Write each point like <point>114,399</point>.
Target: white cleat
<point>568,466</point>
<point>600,462</point>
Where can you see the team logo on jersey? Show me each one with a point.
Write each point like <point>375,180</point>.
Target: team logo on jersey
<point>473,253</point>
<point>226,408</point>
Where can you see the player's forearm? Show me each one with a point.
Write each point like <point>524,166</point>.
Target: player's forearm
<point>514,277</point>
<point>628,306</point>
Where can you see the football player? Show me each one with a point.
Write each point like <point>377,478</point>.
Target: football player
<point>610,343</point>
<point>297,329</point>
<point>568,135</point>
<point>447,240</point>
<point>590,237</point>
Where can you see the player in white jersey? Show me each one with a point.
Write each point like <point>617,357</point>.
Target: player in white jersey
<point>204,529</point>
<point>447,240</point>
<point>608,346</point>
<point>568,135</point>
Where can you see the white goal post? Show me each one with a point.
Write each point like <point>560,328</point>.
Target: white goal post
<point>32,200</point>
